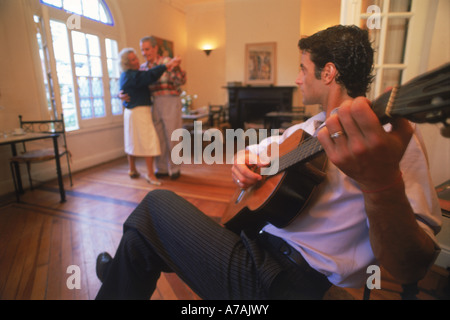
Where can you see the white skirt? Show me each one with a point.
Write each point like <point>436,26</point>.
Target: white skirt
<point>140,136</point>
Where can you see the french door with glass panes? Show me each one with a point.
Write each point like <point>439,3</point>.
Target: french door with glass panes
<point>80,64</point>
<point>398,30</point>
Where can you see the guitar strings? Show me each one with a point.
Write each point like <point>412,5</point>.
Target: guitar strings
<point>306,148</point>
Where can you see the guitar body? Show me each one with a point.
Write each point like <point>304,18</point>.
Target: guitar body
<point>277,199</point>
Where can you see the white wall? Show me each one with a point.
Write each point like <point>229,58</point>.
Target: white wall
<point>228,26</point>
<point>205,24</point>
<point>258,21</point>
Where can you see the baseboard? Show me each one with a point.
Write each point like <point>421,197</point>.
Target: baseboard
<point>96,159</point>
<point>46,171</point>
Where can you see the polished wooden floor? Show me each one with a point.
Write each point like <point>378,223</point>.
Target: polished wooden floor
<point>40,238</point>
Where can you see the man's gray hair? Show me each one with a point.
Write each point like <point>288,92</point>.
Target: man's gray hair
<point>151,40</point>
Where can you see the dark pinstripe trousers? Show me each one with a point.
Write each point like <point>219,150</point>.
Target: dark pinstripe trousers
<point>166,233</point>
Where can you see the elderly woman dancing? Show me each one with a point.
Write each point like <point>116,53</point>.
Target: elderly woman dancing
<point>140,136</point>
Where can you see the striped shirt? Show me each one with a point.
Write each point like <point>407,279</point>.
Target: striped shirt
<point>170,82</point>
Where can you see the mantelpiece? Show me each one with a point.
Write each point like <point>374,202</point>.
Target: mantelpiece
<point>251,103</point>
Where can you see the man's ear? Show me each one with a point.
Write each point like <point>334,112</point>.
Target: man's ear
<point>329,72</point>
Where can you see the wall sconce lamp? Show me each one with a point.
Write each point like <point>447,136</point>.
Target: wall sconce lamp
<point>207,49</point>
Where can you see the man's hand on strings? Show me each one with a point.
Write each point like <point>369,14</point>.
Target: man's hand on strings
<point>357,144</point>
<point>246,169</point>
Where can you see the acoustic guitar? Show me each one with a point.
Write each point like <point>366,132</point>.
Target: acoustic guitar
<point>280,197</point>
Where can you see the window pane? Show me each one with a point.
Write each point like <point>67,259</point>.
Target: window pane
<point>79,42</point>
<point>60,42</point>
<point>81,65</point>
<point>83,87</point>
<point>391,77</point>
<point>99,108</point>
<point>91,9</point>
<point>104,15</point>
<point>374,37</point>
<point>94,45</point>
<point>116,106</point>
<point>97,87</point>
<point>114,85</point>
<point>113,69</point>
<point>400,6</point>
<point>70,119</point>
<point>73,6</point>
<point>96,67</point>
<point>114,74</point>
<point>116,103</point>
<point>67,96</point>
<point>88,68</point>
<point>56,3</point>
<point>396,40</point>
<point>113,59</point>
<point>42,56</point>
<point>86,108</point>
<point>367,3</point>
<point>111,49</point>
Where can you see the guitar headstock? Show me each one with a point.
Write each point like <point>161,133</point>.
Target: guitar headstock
<point>423,99</point>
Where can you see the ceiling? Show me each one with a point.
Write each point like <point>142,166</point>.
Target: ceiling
<point>188,2</point>
<point>181,4</point>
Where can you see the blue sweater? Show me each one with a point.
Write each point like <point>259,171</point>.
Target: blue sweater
<point>135,83</point>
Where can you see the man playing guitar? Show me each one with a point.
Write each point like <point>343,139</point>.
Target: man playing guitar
<point>375,206</point>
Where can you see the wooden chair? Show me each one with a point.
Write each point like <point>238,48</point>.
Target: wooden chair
<point>218,117</point>
<point>41,155</point>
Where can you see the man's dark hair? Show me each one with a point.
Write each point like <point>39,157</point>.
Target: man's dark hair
<point>349,48</point>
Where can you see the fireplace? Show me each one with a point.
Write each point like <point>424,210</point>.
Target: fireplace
<point>250,104</point>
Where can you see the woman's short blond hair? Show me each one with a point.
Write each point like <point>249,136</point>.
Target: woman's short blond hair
<point>124,60</point>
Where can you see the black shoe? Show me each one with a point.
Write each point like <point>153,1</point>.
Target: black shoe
<point>175,175</point>
<point>103,260</point>
<point>161,175</point>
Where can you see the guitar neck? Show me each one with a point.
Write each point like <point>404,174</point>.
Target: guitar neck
<point>423,99</point>
<point>310,146</point>
<point>306,150</point>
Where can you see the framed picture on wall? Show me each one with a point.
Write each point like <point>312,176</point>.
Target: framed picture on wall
<point>165,47</point>
<point>260,63</point>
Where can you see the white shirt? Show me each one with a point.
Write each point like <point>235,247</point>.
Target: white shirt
<point>332,232</point>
